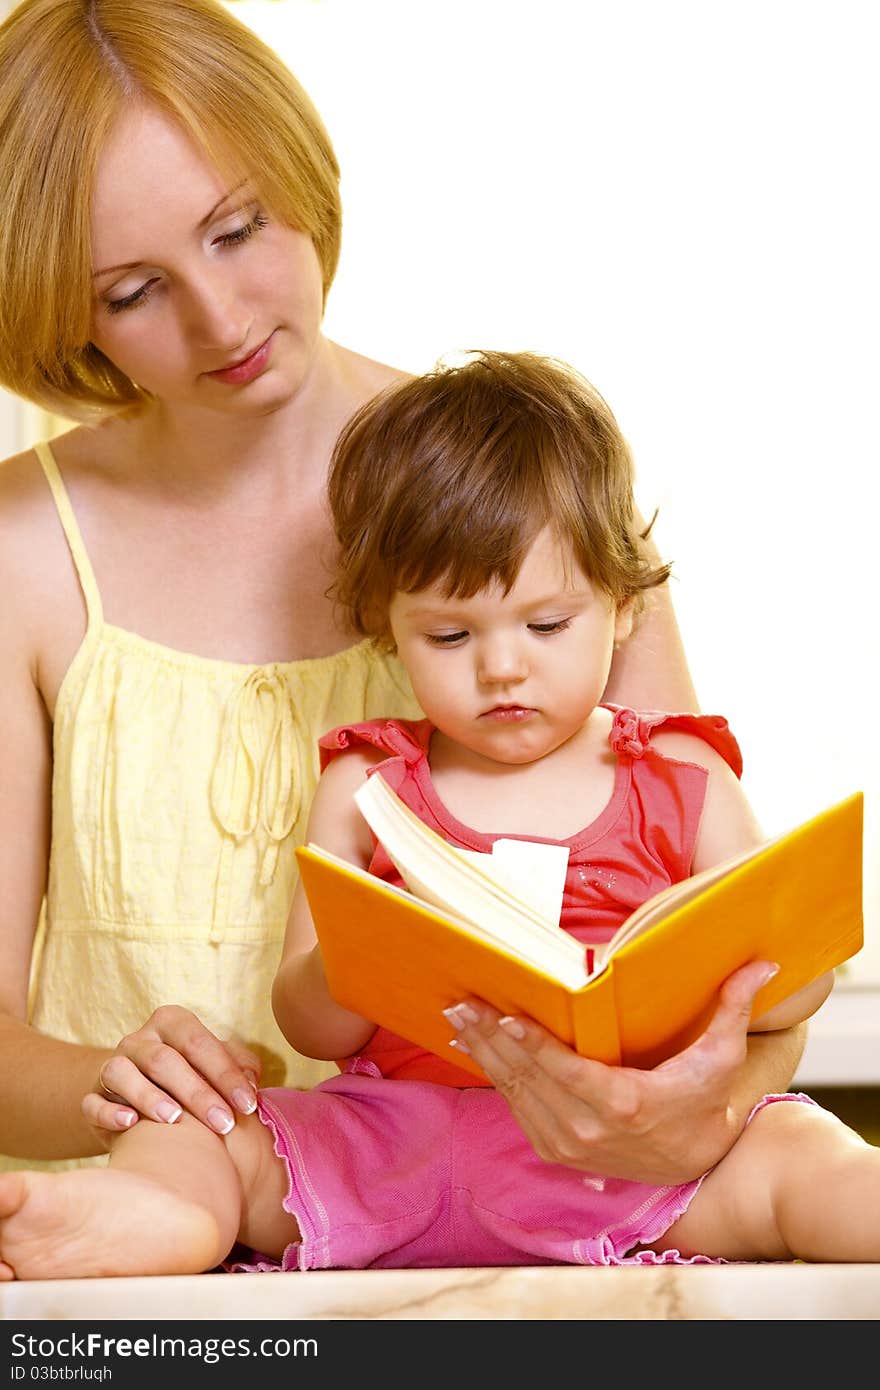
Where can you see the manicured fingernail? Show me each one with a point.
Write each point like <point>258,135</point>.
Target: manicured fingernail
<point>126,1118</point>
<point>245,1101</point>
<point>460,1015</point>
<point>459,1045</point>
<point>220,1120</point>
<point>167,1112</point>
<point>512,1027</point>
<point>253,1079</point>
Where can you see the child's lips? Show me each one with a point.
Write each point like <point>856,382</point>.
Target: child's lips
<point>508,714</point>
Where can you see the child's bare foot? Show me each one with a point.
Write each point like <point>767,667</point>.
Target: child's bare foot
<point>100,1222</point>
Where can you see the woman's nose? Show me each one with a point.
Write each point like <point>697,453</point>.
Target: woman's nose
<point>218,320</point>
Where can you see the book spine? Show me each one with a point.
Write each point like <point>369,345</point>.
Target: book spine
<point>594,1019</point>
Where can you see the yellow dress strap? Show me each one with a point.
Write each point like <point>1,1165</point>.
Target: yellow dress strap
<point>66,516</point>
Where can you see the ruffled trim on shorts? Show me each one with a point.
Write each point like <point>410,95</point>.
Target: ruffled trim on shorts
<point>610,1247</point>
<point>312,1251</point>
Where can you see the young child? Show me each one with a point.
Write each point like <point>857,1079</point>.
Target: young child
<point>484,517</point>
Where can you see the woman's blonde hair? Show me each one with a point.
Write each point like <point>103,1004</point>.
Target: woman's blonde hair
<point>448,478</point>
<point>68,68</point>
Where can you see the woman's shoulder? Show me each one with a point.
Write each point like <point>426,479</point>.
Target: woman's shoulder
<point>31,551</point>
<point>30,515</point>
<point>25,505</point>
<point>82,448</point>
<point>366,377</point>
<point>37,577</point>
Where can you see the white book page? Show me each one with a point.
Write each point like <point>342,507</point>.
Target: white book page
<point>569,970</point>
<point>532,871</point>
<point>434,871</point>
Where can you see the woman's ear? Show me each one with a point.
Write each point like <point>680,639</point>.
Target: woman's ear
<point>623,621</point>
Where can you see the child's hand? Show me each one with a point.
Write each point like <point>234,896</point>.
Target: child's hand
<point>171,1064</point>
<point>664,1126</point>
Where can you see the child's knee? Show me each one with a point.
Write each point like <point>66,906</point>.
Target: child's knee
<point>792,1134</point>
<point>790,1122</point>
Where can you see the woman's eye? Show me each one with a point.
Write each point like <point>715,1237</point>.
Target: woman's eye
<point>131,301</point>
<point>245,232</point>
<point>544,628</point>
<point>445,639</point>
<point>234,238</point>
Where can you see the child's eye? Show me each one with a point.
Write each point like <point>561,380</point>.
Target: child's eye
<point>559,625</point>
<point>445,639</point>
<point>243,233</point>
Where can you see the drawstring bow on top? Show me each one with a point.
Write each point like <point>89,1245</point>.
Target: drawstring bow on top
<point>256,780</point>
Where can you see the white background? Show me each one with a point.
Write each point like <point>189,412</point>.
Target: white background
<point>680,199</point>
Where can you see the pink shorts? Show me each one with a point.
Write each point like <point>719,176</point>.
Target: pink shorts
<point>411,1174</point>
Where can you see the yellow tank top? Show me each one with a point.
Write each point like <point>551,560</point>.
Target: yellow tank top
<point>181,786</point>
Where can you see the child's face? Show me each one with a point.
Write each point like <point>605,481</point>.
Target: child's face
<point>511,676</point>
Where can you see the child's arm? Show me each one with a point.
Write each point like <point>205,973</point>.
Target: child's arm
<point>727,827</point>
<point>306,1013</point>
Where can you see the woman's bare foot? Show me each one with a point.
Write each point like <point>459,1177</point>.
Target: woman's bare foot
<point>100,1222</point>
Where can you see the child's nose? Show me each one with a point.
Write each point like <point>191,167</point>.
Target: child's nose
<point>501,661</point>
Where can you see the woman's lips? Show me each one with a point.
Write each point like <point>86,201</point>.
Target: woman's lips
<point>247,369</point>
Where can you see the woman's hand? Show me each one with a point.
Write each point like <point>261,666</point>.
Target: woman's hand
<point>664,1126</point>
<point>173,1063</point>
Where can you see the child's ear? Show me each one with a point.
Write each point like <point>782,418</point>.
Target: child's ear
<point>623,620</point>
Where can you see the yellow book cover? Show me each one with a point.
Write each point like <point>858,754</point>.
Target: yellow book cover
<point>399,960</point>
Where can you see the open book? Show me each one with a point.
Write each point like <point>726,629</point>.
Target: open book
<point>488,925</point>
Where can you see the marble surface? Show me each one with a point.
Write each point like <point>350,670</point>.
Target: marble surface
<point>668,1293</point>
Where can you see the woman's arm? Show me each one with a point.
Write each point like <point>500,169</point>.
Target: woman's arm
<point>42,1079</point>
<point>304,1009</point>
<point>650,670</point>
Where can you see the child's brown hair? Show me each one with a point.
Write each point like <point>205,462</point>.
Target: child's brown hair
<point>449,477</point>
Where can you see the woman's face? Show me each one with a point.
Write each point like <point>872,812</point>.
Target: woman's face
<point>200,295</point>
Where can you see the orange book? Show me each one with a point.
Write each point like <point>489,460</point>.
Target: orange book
<point>400,956</point>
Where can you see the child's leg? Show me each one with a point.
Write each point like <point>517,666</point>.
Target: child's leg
<point>172,1200</point>
<point>797,1184</point>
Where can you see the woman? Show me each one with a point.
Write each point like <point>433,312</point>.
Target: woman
<point>168,654</point>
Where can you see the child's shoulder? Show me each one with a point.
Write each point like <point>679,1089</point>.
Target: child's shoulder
<point>407,738</point>
<point>704,740</point>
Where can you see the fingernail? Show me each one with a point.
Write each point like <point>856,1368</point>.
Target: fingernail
<point>459,1045</point>
<point>167,1112</point>
<point>460,1015</point>
<point>252,1078</point>
<point>245,1101</point>
<point>220,1120</point>
<point>512,1027</point>
<point>773,970</point>
<point>126,1118</point>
